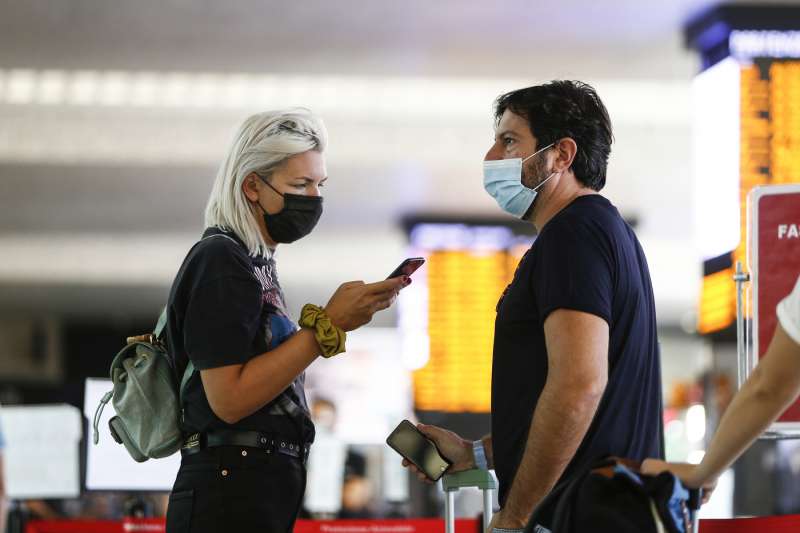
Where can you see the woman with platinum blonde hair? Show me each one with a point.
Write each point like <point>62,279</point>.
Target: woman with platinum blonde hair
<point>245,417</point>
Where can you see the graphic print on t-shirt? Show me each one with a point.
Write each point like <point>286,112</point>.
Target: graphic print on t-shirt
<point>272,294</point>
<point>278,327</point>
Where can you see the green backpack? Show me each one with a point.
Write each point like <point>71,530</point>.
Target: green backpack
<point>146,398</point>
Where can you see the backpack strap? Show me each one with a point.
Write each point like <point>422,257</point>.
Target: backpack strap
<point>162,319</point>
<point>161,324</point>
<point>187,374</point>
<point>99,413</point>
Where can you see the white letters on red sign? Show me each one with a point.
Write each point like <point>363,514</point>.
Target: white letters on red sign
<point>788,231</point>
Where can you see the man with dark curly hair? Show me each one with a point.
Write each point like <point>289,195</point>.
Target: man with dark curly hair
<point>576,372</point>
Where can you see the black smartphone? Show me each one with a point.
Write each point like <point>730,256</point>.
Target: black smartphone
<point>421,451</point>
<point>407,267</point>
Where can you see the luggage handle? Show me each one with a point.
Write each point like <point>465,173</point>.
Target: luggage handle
<point>693,503</point>
<point>476,477</point>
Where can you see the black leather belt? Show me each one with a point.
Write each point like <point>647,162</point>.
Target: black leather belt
<point>271,443</point>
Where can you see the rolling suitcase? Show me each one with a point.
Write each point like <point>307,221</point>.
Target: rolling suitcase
<point>477,478</point>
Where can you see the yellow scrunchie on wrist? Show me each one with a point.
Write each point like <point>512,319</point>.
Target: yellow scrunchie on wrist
<point>330,338</point>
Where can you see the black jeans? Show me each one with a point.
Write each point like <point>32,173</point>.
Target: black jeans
<point>236,489</point>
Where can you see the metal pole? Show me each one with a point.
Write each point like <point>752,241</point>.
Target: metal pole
<point>487,508</point>
<point>741,277</point>
<point>449,512</point>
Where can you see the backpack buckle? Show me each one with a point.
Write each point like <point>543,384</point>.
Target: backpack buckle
<point>114,433</point>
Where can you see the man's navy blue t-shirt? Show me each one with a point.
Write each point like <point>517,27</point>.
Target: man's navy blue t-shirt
<point>587,259</point>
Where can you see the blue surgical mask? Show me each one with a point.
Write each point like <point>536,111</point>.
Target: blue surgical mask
<point>502,179</point>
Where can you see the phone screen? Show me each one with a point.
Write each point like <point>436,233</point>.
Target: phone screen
<point>409,442</point>
<point>407,267</point>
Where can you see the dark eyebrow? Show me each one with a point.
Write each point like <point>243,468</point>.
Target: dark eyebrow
<point>503,133</point>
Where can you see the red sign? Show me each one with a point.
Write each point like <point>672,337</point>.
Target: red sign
<point>775,258</point>
<point>773,524</point>
<point>156,525</point>
<point>778,524</point>
<point>383,526</point>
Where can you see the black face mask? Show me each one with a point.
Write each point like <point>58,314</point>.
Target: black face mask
<point>297,219</point>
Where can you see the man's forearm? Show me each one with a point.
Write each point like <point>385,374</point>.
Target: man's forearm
<point>559,424</point>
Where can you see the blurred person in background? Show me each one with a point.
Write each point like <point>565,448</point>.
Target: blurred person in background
<point>576,372</point>
<point>357,491</point>
<point>323,413</point>
<point>772,387</point>
<point>245,413</point>
<point>326,464</point>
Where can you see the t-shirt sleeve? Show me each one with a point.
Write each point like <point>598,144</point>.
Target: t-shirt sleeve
<point>573,270</point>
<point>788,312</point>
<point>221,322</point>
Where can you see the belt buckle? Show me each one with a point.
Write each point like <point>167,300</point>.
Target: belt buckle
<point>192,441</point>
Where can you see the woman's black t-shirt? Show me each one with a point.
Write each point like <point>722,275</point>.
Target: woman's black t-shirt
<point>226,307</point>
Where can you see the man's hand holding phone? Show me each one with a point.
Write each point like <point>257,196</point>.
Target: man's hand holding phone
<point>452,447</point>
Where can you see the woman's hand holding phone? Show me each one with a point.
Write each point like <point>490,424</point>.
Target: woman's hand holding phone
<point>407,267</point>
<point>355,302</point>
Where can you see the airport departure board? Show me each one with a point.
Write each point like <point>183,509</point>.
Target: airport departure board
<point>768,152</point>
<point>746,123</point>
<point>447,314</point>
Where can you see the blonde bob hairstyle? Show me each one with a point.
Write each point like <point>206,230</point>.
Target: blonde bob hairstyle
<point>262,144</point>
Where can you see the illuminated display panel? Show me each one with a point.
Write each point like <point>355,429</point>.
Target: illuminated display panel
<point>447,315</point>
<point>784,143</point>
<point>715,130</point>
<point>718,304</point>
<point>748,89</point>
<point>769,153</point>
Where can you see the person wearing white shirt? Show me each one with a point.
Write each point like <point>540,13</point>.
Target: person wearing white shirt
<point>771,388</point>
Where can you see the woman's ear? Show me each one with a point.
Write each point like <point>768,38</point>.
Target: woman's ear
<point>250,187</point>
